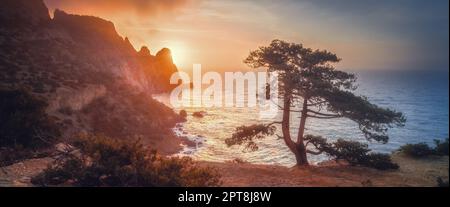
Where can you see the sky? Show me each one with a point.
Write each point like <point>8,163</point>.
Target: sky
<point>219,34</point>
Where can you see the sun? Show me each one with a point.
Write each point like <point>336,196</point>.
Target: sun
<point>178,52</point>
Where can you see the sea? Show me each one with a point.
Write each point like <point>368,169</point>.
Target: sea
<point>422,96</point>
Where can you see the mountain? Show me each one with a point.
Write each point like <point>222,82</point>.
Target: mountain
<point>92,79</point>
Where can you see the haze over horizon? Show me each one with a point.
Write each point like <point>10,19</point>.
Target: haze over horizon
<point>403,34</point>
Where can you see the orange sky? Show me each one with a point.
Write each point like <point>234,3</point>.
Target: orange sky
<point>219,34</point>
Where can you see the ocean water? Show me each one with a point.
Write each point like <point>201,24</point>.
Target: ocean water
<point>421,95</point>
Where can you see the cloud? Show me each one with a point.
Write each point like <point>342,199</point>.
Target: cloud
<point>139,7</point>
<point>405,33</point>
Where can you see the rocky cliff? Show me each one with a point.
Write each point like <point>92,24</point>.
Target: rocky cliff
<point>92,78</point>
<point>23,13</point>
<point>76,44</point>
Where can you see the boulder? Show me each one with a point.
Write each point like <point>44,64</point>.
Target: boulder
<point>199,114</point>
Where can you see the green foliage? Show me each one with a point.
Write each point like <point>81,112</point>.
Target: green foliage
<point>237,161</point>
<point>442,183</point>
<point>134,115</point>
<point>183,113</point>
<point>199,114</point>
<point>24,122</point>
<point>441,147</point>
<point>320,144</point>
<point>353,152</point>
<point>66,110</point>
<point>308,77</point>
<point>307,74</point>
<point>247,134</point>
<point>423,149</point>
<point>9,155</point>
<point>378,161</point>
<point>110,162</point>
<point>373,121</point>
<point>367,183</point>
<point>417,150</point>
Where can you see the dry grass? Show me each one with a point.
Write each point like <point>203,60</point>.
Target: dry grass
<point>412,172</point>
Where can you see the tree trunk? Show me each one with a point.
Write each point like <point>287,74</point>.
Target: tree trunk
<point>285,124</point>
<point>298,148</point>
<point>300,155</point>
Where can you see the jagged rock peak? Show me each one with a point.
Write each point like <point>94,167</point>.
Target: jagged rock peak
<point>127,41</point>
<point>144,51</point>
<point>60,15</point>
<point>89,24</point>
<point>128,45</point>
<point>165,61</point>
<point>164,54</point>
<point>23,12</point>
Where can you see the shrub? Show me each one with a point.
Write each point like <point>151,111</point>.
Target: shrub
<point>353,152</point>
<point>378,161</point>
<point>9,156</point>
<point>130,115</point>
<point>357,153</point>
<point>416,150</point>
<point>422,149</point>
<point>110,162</point>
<point>441,182</point>
<point>237,161</point>
<point>199,114</point>
<point>66,110</point>
<point>183,113</point>
<point>24,122</point>
<point>38,87</point>
<point>367,183</point>
<point>441,147</point>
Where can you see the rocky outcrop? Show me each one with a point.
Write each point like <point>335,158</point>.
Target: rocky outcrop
<point>74,61</point>
<point>77,45</point>
<point>164,60</point>
<point>87,29</point>
<point>160,66</point>
<point>23,13</point>
<point>144,52</point>
<point>65,99</point>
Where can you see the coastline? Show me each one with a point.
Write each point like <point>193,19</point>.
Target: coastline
<point>168,145</point>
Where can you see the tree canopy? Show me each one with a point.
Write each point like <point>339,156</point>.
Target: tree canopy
<point>309,81</point>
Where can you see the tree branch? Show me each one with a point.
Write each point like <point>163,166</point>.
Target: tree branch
<point>324,117</point>
<point>323,114</point>
<point>275,122</point>
<point>317,103</point>
<point>313,152</point>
